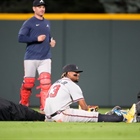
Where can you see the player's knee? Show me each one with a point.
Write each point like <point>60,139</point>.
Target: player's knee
<point>45,80</point>
<point>29,82</point>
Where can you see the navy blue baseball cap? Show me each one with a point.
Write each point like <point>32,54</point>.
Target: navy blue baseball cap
<point>71,68</point>
<point>38,3</point>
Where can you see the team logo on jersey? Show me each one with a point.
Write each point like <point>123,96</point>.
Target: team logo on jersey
<point>37,24</point>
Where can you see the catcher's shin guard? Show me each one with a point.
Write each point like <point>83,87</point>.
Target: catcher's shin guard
<point>25,90</point>
<point>45,83</point>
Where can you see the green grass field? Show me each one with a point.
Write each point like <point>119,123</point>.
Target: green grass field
<point>69,131</point>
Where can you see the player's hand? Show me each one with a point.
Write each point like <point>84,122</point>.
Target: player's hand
<point>41,38</point>
<point>52,43</point>
<point>93,108</point>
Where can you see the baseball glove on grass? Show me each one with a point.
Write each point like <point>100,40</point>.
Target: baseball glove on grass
<point>93,108</point>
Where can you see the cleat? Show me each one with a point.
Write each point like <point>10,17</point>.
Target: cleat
<point>115,110</point>
<point>130,116</point>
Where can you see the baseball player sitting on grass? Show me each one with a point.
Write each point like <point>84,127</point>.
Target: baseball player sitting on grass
<point>61,95</point>
<point>65,91</point>
<point>10,111</point>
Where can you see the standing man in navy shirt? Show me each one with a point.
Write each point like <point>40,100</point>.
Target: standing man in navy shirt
<point>35,32</point>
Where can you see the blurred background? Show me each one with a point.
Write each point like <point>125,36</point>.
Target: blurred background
<point>105,46</point>
<point>73,6</point>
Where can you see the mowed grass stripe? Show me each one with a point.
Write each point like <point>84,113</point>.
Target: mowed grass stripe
<point>68,131</point>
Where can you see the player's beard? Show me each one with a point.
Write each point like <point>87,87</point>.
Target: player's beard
<point>76,81</point>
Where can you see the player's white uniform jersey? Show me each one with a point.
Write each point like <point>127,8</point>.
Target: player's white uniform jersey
<point>61,94</point>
